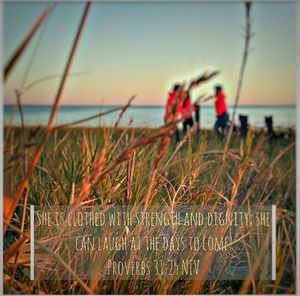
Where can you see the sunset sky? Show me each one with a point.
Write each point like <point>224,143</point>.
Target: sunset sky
<point>143,48</point>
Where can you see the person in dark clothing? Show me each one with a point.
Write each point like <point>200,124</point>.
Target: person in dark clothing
<point>188,123</point>
<point>222,113</point>
<point>197,116</point>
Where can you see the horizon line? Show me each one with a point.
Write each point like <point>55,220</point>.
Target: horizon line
<point>146,105</point>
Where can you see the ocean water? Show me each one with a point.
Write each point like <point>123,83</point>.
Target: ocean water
<point>145,116</point>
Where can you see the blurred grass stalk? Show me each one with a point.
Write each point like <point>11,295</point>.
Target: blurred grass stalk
<point>20,50</point>
<point>248,36</point>
<point>52,116</point>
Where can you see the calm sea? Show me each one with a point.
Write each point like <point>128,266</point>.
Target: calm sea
<point>146,116</point>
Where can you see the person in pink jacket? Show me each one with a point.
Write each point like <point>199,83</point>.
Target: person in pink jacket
<point>187,111</point>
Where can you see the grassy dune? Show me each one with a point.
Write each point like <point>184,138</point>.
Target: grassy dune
<point>142,166</point>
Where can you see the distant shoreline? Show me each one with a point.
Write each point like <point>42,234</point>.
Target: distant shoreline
<point>141,116</point>
<point>122,128</point>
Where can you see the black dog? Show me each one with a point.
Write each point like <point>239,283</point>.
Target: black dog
<point>273,136</point>
<point>244,125</point>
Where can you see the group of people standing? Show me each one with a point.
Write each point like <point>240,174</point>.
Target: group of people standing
<point>179,106</point>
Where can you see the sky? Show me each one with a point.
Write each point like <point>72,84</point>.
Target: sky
<point>144,48</point>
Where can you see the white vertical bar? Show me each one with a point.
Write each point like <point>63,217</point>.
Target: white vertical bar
<point>31,242</point>
<point>273,242</point>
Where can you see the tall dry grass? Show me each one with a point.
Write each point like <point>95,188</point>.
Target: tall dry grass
<point>117,166</point>
<point>79,171</point>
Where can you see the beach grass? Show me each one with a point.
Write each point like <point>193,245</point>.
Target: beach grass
<point>114,166</point>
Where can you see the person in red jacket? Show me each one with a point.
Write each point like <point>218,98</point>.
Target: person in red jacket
<point>221,110</point>
<point>174,104</point>
<point>174,108</point>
